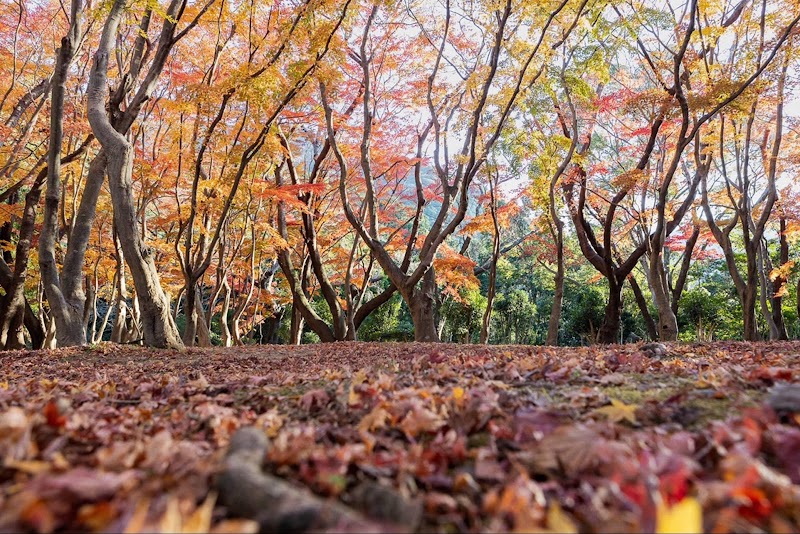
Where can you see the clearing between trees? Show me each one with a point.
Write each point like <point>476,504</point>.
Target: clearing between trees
<point>402,437</point>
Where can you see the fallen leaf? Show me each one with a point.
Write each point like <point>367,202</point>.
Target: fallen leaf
<point>684,517</point>
<point>619,412</point>
<point>374,420</point>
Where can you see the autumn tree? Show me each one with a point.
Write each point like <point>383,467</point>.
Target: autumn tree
<point>464,99</point>
<point>747,168</point>
<point>675,105</point>
<point>238,124</point>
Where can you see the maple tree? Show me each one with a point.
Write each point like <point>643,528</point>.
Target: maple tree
<point>676,111</point>
<point>751,212</point>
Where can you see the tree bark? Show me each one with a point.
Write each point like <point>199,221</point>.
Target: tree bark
<point>490,294</point>
<point>12,314</point>
<point>422,304</point>
<point>779,283</point>
<point>558,294</point>
<point>749,314</point>
<point>659,285</point>
<point>67,306</point>
<point>158,327</point>
<point>652,330</point>
<point>225,331</point>
<point>609,331</point>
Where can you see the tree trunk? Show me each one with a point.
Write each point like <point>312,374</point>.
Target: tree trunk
<point>225,331</point>
<point>659,286</point>
<point>50,337</point>
<point>203,332</point>
<point>296,327</point>
<point>558,295</point>
<point>749,314</point>
<point>490,294</point>
<point>190,312</point>
<point>158,327</point>
<point>119,329</point>
<point>652,330</point>
<point>12,315</point>
<point>422,304</point>
<point>66,307</point>
<point>609,331</point>
<point>778,285</point>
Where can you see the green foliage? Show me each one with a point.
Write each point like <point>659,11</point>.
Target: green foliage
<point>387,323</point>
<point>462,318</point>
<point>584,309</point>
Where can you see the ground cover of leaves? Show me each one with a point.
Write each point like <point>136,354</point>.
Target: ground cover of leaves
<point>593,439</point>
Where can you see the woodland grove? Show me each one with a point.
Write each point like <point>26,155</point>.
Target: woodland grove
<point>226,172</point>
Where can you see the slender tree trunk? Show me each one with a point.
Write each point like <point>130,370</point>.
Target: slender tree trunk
<point>67,306</point>
<point>778,285</point>
<point>119,329</point>
<point>609,331</point>
<point>558,294</point>
<point>749,313</point>
<point>203,332</point>
<point>650,324</point>
<point>683,274</point>
<point>14,305</point>
<point>490,294</point>
<point>296,327</point>
<point>97,336</point>
<point>190,312</point>
<point>50,337</point>
<point>225,331</point>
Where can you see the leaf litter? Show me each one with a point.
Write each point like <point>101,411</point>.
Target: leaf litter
<point>421,437</point>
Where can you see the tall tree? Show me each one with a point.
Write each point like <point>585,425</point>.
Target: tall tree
<point>477,108</point>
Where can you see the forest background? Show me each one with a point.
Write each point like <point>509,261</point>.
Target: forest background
<point>553,172</point>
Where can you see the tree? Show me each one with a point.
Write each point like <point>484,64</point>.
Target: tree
<point>672,125</point>
<point>476,108</point>
<point>737,204</point>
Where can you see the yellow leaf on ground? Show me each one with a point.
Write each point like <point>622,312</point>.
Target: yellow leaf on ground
<point>558,521</point>
<point>375,419</point>
<point>200,520</point>
<point>619,411</point>
<point>172,521</point>
<point>32,467</point>
<point>137,521</point>
<point>237,526</point>
<point>684,517</point>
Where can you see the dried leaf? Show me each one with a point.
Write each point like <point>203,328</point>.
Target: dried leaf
<point>684,517</point>
<point>619,412</point>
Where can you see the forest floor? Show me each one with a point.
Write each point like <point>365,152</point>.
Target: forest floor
<point>421,437</point>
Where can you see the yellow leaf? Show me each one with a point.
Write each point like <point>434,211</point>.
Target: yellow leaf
<point>171,521</point>
<point>686,516</point>
<point>353,397</point>
<point>619,411</point>
<point>558,521</point>
<point>200,520</point>
<point>240,526</point>
<point>32,467</point>
<point>136,524</point>
<point>360,377</point>
<point>374,420</point>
